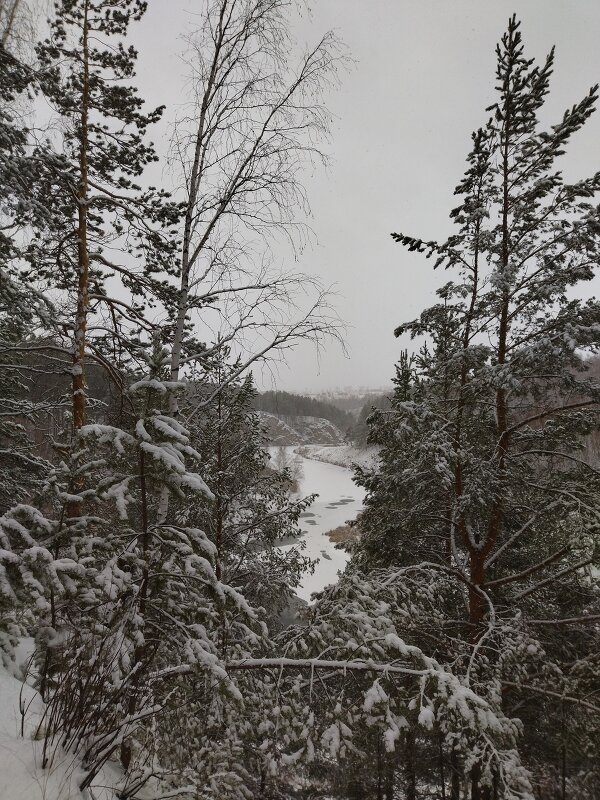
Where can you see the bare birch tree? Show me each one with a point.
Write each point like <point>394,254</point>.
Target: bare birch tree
<point>254,124</point>
<point>16,26</point>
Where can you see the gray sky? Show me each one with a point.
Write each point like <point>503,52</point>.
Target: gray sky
<point>424,74</point>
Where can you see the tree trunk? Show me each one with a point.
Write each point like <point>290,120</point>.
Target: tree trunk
<point>563,760</point>
<point>140,652</point>
<point>479,792</point>
<point>379,772</point>
<point>218,508</point>
<point>441,765</point>
<point>455,783</point>
<point>476,610</point>
<point>476,783</point>
<point>187,256</point>
<point>477,601</point>
<point>355,789</point>
<point>83,259</point>
<point>479,555</point>
<point>410,778</point>
<point>10,21</point>
<point>388,790</point>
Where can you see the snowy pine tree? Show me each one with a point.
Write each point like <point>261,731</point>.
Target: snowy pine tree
<point>92,164</point>
<point>482,465</point>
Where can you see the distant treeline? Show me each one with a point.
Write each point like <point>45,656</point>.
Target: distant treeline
<point>354,402</point>
<point>295,405</point>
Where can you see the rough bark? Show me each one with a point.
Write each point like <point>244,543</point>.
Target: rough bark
<point>442,769</point>
<point>410,778</point>
<point>496,518</point>
<point>455,783</point>
<point>83,259</point>
<point>140,652</point>
<point>476,783</point>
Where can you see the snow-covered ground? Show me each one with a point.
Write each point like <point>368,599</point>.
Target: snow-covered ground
<point>344,455</point>
<point>339,500</point>
<point>21,776</point>
<point>21,773</point>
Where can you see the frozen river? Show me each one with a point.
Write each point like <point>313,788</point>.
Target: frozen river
<point>339,500</point>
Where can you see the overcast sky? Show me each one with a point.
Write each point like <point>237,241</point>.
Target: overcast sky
<point>423,76</point>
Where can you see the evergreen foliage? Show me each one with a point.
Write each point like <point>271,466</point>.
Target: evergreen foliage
<point>90,168</point>
<point>252,512</point>
<point>481,451</point>
<point>286,404</point>
<point>149,555</point>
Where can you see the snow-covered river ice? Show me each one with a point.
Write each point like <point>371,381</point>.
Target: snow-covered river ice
<point>339,500</point>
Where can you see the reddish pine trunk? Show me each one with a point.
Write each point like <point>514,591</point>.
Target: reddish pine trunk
<point>477,601</point>
<point>83,260</point>
<point>478,555</point>
<point>218,492</point>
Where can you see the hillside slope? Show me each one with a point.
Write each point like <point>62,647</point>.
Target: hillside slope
<point>284,430</point>
<point>22,776</point>
<point>344,455</point>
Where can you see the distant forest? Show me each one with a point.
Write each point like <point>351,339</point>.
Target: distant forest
<point>286,404</point>
<point>354,425</point>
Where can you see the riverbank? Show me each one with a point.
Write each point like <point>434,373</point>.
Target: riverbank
<point>345,455</point>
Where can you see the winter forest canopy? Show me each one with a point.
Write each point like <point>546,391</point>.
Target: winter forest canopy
<point>150,634</point>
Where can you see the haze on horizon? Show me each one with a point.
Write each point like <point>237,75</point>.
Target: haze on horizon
<point>422,77</point>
